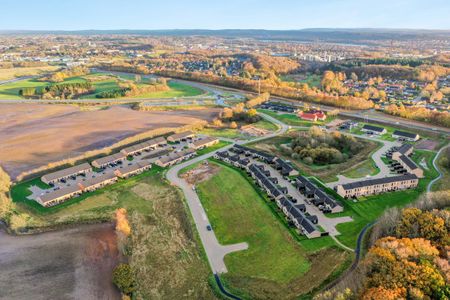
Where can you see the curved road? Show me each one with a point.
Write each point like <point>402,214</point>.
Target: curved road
<point>430,185</point>
<point>214,250</point>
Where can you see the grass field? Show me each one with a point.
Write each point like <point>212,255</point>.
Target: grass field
<point>367,167</point>
<point>215,147</point>
<point>444,182</point>
<point>312,80</point>
<point>294,120</point>
<point>11,90</point>
<point>11,73</point>
<point>276,265</point>
<point>166,255</point>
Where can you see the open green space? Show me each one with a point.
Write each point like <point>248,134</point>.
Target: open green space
<point>11,90</point>
<point>212,148</point>
<point>293,119</point>
<point>278,264</point>
<point>313,80</point>
<point>366,168</point>
<point>222,132</point>
<point>444,182</point>
<point>264,124</point>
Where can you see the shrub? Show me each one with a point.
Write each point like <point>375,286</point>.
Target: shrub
<point>123,278</point>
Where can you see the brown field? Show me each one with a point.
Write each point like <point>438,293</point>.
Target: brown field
<point>33,135</point>
<point>11,73</point>
<point>69,264</point>
<point>427,145</point>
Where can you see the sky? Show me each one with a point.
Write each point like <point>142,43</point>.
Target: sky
<point>222,14</point>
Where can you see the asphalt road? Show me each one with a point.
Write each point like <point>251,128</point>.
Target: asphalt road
<point>214,250</point>
<point>430,185</point>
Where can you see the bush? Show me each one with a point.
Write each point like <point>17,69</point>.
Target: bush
<point>123,278</point>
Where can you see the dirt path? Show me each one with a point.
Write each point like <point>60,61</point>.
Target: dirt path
<point>68,264</point>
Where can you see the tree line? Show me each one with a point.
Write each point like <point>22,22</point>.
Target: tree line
<point>420,114</point>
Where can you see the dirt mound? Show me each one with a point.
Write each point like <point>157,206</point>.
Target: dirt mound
<point>201,173</point>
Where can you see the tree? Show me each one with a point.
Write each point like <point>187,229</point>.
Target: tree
<point>227,113</point>
<point>233,125</point>
<point>123,278</point>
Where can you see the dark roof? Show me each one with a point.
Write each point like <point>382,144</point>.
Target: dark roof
<point>384,180</point>
<point>263,155</point>
<point>404,148</point>
<point>373,128</point>
<point>301,218</point>
<point>405,134</point>
<point>412,165</point>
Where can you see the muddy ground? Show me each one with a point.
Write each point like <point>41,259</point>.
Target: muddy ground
<point>201,173</point>
<point>33,135</point>
<point>68,264</point>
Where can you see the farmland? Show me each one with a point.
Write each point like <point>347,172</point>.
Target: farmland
<point>276,265</point>
<point>11,73</point>
<point>101,83</point>
<point>34,135</point>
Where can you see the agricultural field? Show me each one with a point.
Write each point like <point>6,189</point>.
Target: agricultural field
<point>12,73</point>
<point>102,83</point>
<point>164,269</point>
<point>278,264</point>
<point>34,135</point>
<point>72,263</point>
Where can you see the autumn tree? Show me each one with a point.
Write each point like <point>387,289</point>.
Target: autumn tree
<point>123,278</point>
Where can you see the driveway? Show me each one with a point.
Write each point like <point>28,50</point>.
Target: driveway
<point>384,170</point>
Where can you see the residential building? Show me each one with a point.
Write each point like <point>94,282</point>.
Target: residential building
<point>285,168</point>
<point>97,182</point>
<point>406,136</point>
<point>66,173</point>
<point>109,160</point>
<point>203,143</point>
<point>54,197</point>
<point>175,157</point>
<point>145,146</point>
<point>373,129</point>
<point>182,136</point>
<point>377,186</point>
<point>408,164</point>
<point>133,169</point>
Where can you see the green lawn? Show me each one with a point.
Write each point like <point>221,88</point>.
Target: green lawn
<point>222,132</point>
<point>313,80</point>
<point>293,120</point>
<point>279,263</point>
<point>264,124</point>
<point>215,147</point>
<point>368,167</point>
<point>240,215</point>
<point>176,90</point>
